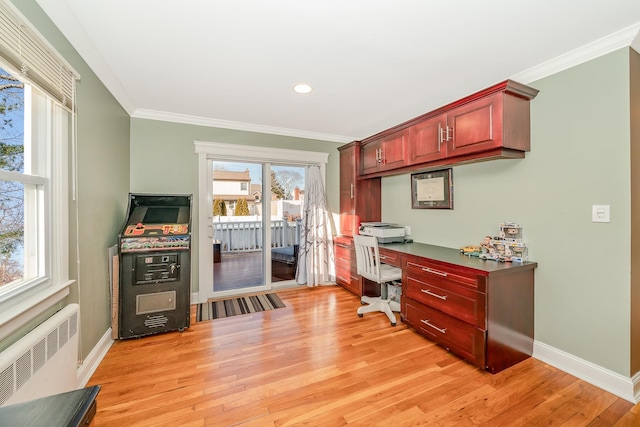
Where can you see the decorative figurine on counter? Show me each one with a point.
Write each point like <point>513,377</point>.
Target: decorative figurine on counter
<point>506,247</point>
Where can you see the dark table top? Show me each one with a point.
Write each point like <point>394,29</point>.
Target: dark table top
<point>60,410</point>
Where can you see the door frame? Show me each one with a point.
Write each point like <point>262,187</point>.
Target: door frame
<point>208,151</point>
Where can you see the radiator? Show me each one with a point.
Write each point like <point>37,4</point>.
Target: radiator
<point>43,362</point>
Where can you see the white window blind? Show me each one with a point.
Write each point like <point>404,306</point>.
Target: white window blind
<point>29,53</point>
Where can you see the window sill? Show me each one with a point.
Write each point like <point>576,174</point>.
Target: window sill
<point>16,315</point>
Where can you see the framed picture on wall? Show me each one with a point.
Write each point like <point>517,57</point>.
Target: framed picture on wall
<point>432,189</point>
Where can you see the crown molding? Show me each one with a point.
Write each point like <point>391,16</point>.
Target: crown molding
<point>63,17</point>
<point>227,124</point>
<point>627,37</point>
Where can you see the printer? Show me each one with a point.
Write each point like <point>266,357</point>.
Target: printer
<point>383,231</point>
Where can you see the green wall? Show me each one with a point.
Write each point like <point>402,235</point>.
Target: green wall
<point>163,160</point>
<point>97,214</point>
<point>579,157</point>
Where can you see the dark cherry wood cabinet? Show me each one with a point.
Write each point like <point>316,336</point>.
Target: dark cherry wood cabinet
<point>386,153</point>
<point>346,269</point>
<point>360,199</point>
<point>483,311</point>
<point>427,140</point>
<point>479,310</point>
<point>491,124</point>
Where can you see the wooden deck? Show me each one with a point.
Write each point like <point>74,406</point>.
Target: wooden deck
<point>239,270</point>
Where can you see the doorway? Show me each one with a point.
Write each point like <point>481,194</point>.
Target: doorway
<point>268,160</point>
<point>248,211</point>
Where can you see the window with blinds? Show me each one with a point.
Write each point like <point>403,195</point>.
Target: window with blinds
<point>31,55</point>
<point>37,89</point>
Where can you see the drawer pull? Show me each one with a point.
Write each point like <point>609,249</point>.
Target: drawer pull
<point>426,322</point>
<point>428,292</point>
<point>431,270</point>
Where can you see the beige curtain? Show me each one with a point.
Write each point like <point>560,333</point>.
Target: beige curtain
<point>315,255</point>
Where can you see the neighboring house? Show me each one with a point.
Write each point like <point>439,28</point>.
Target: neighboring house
<point>231,186</point>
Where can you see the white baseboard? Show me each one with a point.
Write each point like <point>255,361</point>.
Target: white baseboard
<point>621,386</point>
<point>93,359</point>
<point>195,298</point>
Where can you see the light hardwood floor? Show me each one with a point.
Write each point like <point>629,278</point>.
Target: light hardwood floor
<point>316,363</point>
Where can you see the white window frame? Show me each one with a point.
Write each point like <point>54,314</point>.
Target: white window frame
<point>47,124</point>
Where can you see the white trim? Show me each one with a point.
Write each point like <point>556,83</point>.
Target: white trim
<point>164,116</point>
<point>610,381</point>
<point>17,314</point>
<point>622,38</point>
<point>252,153</point>
<point>94,358</point>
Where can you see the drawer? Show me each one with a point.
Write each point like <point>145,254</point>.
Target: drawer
<point>349,281</point>
<point>390,257</point>
<point>458,301</point>
<point>345,254</point>
<point>461,338</point>
<point>443,274</point>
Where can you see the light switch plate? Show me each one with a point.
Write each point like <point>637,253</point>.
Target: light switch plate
<point>600,213</point>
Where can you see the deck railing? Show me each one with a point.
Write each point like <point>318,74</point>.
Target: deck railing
<point>246,236</point>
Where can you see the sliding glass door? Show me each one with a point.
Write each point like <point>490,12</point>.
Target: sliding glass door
<point>256,217</point>
<point>238,227</point>
<point>249,217</point>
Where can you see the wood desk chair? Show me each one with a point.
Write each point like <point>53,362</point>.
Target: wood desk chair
<point>370,267</point>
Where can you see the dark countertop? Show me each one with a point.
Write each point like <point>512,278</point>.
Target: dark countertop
<point>453,256</point>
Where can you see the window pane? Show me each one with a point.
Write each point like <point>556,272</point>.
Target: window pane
<point>11,123</point>
<point>11,232</point>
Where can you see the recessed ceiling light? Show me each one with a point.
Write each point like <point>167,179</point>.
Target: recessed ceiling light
<point>302,88</point>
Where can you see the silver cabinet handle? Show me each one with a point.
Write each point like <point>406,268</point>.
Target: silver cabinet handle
<point>428,292</point>
<point>352,186</point>
<point>449,137</point>
<point>426,322</point>
<point>431,270</point>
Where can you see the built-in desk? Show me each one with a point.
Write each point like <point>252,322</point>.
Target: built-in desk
<point>483,311</point>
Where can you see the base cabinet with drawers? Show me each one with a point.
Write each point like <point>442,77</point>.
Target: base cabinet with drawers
<point>485,315</point>
<point>346,268</point>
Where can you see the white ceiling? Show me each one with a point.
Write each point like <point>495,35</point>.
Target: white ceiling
<point>372,63</point>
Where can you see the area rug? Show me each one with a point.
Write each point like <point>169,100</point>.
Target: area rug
<point>238,305</point>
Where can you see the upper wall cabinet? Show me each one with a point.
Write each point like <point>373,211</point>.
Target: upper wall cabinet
<point>490,124</point>
<point>427,140</point>
<point>386,153</point>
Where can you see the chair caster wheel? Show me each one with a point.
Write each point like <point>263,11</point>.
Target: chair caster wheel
<point>360,315</point>
<point>393,324</point>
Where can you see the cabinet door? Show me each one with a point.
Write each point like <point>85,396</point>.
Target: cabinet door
<point>347,191</point>
<point>393,152</point>
<point>475,127</point>
<point>427,140</point>
<point>389,152</point>
<point>370,155</point>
